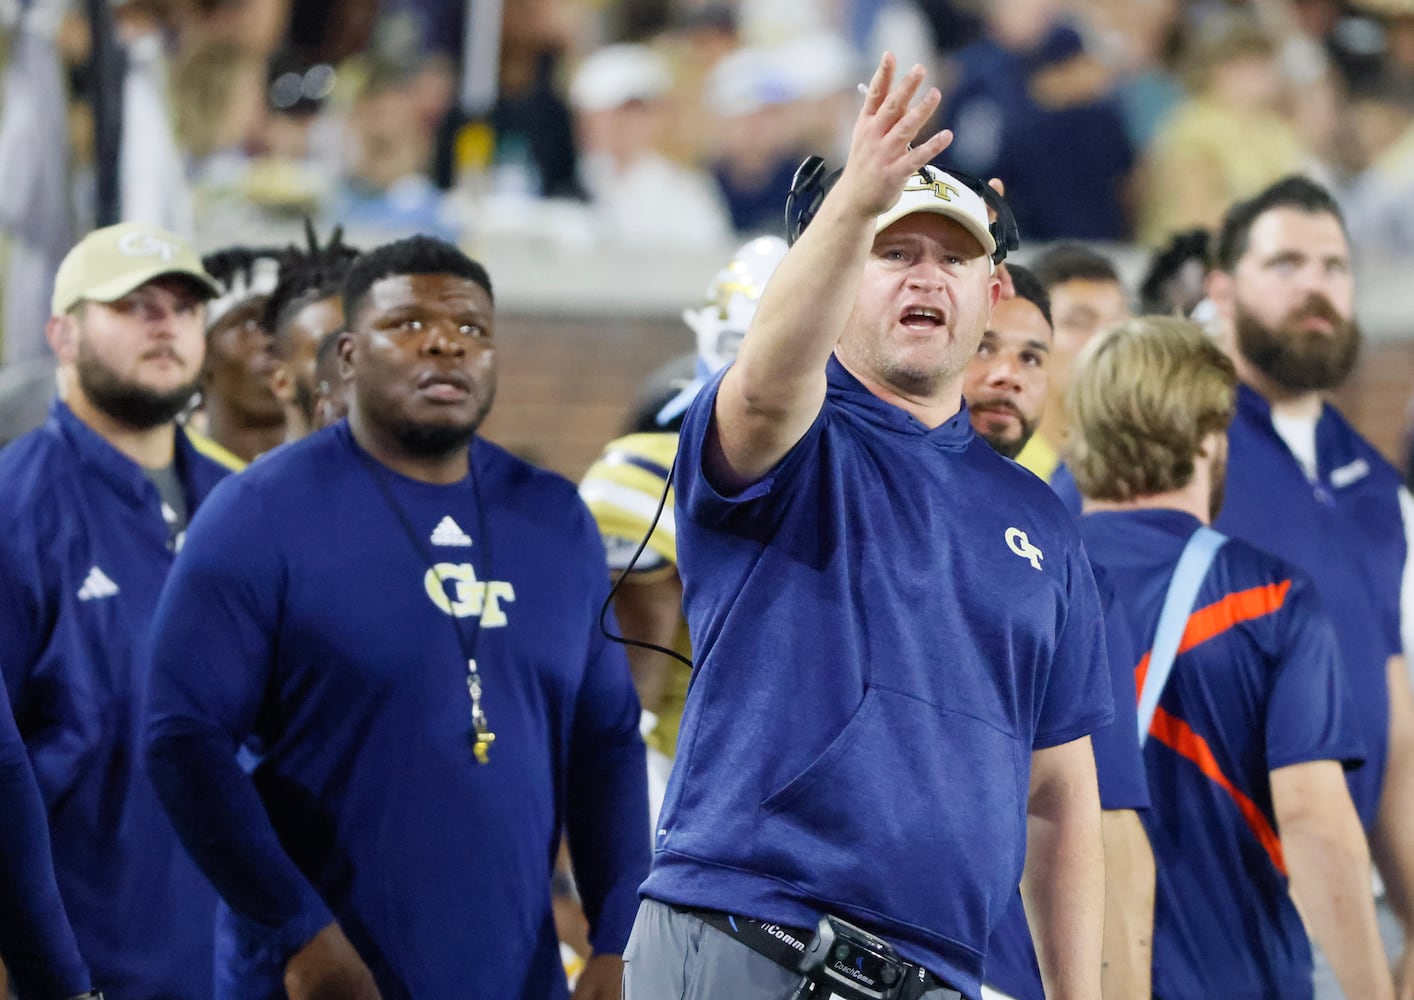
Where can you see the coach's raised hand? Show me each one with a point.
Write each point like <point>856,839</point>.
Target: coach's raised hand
<point>882,155</point>
<point>770,397</point>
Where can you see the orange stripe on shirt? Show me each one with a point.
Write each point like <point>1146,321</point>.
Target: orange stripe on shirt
<point>1204,624</point>
<point>1212,621</point>
<point>1178,736</point>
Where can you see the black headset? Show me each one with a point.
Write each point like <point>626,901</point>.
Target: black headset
<point>810,185</point>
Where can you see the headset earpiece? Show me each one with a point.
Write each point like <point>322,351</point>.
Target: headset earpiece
<point>1005,232</point>
<point>807,190</point>
<point>810,185</point>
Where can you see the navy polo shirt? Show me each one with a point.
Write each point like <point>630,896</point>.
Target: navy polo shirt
<point>1256,686</point>
<point>886,626</point>
<point>83,555</point>
<point>1347,532</point>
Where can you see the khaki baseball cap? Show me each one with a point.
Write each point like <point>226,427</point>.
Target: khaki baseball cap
<point>936,191</point>
<point>109,263</point>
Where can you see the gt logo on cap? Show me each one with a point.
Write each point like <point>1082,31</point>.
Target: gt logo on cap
<point>942,190</point>
<point>146,245</point>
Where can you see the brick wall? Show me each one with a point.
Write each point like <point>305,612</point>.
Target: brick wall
<point>565,385</point>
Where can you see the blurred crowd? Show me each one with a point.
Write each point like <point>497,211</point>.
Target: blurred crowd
<point>681,121</point>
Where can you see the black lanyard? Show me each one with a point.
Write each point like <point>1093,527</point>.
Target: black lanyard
<point>484,736</point>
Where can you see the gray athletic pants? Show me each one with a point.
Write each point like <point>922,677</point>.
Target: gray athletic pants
<point>675,956</point>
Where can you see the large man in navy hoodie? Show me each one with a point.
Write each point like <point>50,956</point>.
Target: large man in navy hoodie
<point>858,563</point>
<point>96,503</point>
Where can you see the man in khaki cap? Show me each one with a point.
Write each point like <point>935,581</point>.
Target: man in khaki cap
<point>96,502</point>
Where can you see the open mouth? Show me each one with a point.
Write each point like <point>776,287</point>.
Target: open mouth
<point>921,318</point>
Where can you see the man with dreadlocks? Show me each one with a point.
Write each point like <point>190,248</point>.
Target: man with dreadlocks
<point>302,311</point>
<point>243,417</point>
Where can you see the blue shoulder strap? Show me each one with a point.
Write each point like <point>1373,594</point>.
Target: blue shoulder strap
<point>1187,578</point>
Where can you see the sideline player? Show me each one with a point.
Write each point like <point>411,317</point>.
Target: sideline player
<point>1086,296</point>
<point>305,307</point>
<point>1304,485</point>
<point>1249,733</point>
<point>241,416</point>
<point>96,504</point>
<point>405,619</point>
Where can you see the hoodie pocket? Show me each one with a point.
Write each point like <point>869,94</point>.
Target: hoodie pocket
<point>913,812</point>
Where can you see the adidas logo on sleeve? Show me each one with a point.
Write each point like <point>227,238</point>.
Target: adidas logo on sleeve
<point>448,532</point>
<point>97,585</point>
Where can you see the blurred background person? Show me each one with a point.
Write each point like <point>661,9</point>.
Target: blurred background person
<point>1227,140</point>
<point>1030,105</point>
<point>240,413</point>
<point>639,194</point>
<point>1086,296</point>
<point>331,402</point>
<point>304,308</point>
<point>759,125</point>
<point>1173,282</point>
<point>387,184</point>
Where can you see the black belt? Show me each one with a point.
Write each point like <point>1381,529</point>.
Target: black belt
<point>786,946</point>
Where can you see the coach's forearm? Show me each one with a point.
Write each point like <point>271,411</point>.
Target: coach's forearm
<point>1064,879</point>
<point>1128,954</point>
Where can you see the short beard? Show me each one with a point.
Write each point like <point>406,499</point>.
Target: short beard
<point>432,440</point>
<point>130,404</point>
<point>1297,359</point>
<point>1006,448</point>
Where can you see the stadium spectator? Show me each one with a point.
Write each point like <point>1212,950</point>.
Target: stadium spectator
<point>760,115</point>
<point>641,196</point>
<point>1227,140</point>
<point>1028,107</point>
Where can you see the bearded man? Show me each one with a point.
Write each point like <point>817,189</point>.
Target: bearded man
<point>96,506</point>
<point>1304,485</point>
